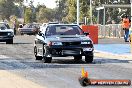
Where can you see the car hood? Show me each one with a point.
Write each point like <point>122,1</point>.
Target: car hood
<point>68,38</point>
<point>7,30</point>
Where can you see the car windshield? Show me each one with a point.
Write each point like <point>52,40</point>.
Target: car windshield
<point>63,30</point>
<point>4,26</point>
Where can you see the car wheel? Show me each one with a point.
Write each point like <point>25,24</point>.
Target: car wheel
<point>89,59</point>
<point>78,58</point>
<point>35,54</point>
<point>9,41</point>
<point>45,58</point>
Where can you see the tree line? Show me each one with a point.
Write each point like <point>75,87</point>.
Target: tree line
<point>65,11</point>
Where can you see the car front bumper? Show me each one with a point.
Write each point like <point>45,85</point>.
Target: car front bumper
<point>71,50</point>
<point>5,38</point>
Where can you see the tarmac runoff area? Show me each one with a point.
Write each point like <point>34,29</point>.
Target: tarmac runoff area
<point>113,48</point>
<point>112,56</point>
<point>9,80</point>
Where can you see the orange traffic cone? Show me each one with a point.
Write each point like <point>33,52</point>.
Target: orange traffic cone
<point>84,74</point>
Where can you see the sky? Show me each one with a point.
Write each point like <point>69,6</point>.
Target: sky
<point>48,3</point>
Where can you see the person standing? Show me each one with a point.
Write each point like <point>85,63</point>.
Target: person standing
<point>14,27</point>
<point>126,26</point>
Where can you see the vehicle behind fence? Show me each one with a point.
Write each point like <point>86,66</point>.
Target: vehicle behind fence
<point>110,30</point>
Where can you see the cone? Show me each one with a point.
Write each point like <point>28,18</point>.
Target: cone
<point>84,74</point>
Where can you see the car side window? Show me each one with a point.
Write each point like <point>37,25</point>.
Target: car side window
<point>50,31</point>
<point>47,33</point>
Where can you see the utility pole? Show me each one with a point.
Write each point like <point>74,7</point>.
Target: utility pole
<point>78,13</point>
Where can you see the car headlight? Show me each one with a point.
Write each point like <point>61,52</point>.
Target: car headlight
<point>10,34</point>
<point>56,43</point>
<point>86,42</point>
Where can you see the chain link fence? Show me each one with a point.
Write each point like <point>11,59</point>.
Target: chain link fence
<point>110,30</point>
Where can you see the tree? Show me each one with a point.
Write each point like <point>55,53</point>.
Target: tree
<point>28,15</point>
<point>71,16</point>
<point>8,8</point>
<point>45,15</point>
<point>61,10</point>
<point>111,13</point>
<point>84,9</point>
<point>39,6</point>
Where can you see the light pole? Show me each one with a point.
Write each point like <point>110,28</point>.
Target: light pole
<point>91,21</point>
<point>78,13</point>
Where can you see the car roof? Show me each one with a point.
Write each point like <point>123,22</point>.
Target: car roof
<point>59,25</point>
<point>65,24</point>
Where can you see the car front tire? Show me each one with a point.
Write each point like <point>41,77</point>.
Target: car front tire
<point>35,54</point>
<point>78,58</point>
<point>89,59</point>
<point>9,41</point>
<point>47,59</point>
<point>45,54</point>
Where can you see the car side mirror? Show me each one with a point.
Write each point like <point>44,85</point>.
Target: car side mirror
<point>86,33</point>
<point>40,34</point>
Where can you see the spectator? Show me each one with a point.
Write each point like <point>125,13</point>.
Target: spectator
<point>126,26</point>
<point>14,27</point>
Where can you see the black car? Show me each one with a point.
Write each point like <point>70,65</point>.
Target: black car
<point>6,33</point>
<point>60,40</point>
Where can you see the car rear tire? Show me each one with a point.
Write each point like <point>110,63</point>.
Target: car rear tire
<point>78,58</point>
<point>9,41</point>
<point>35,54</point>
<point>89,59</point>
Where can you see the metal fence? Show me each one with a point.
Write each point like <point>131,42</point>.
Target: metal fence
<point>110,30</point>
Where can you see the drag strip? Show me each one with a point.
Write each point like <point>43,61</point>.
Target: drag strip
<point>18,62</point>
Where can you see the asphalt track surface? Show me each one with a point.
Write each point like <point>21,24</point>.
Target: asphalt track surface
<point>18,59</point>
